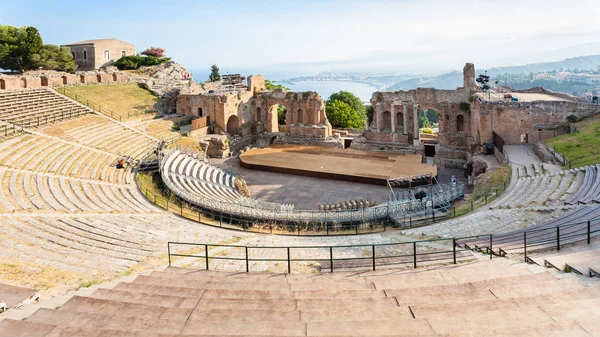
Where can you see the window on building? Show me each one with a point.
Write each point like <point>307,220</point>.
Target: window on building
<point>200,112</point>
<point>106,55</point>
<point>123,53</point>
<point>85,54</point>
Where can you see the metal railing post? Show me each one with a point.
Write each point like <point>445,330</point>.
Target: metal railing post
<point>206,255</point>
<point>589,227</point>
<point>247,267</point>
<point>454,250</point>
<point>557,238</point>
<point>414,254</point>
<point>373,257</point>
<point>289,261</point>
<point>331,259</point>
<point>169,252</point>
<point>525,245</point>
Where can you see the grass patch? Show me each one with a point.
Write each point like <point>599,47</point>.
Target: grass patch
<point>581,147</point>
<point>121,99</point>
<point>488,186</point>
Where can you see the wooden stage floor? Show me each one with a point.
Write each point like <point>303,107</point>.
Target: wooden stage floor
<point>332,163</point>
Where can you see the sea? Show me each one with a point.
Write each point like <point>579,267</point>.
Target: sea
<point>324,88</point>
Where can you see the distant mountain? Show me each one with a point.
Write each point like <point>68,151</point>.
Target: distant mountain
<point>454,79</point>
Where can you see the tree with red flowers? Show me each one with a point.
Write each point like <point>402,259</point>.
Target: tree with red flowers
<point>154,51</point>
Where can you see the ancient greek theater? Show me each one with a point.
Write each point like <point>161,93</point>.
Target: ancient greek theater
<point>140,202</point>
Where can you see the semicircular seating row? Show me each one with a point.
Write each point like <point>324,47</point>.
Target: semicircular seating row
<point>200,179</point>
<point>542,190</point>
<point>584,190</point>
<point>589,192</point>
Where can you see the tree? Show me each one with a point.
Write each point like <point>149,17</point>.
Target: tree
<point>370,113</point>
<point>281,112</point>
<point>30,44</point>
<point>22,49</point>
<point>214,73</point>
<point>154,51</point>
<point>352,100</point>
<point>53,57</point>
<point>341,115</point>
<point>271,86</point>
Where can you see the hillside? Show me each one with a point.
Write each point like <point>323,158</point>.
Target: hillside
<point>582,147</point>
<point>122,99</point>
<point>451,80</point>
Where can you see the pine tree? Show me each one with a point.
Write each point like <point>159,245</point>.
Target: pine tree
<point>214,73</point>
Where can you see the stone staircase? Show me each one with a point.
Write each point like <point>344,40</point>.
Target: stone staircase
<point>499,298</point>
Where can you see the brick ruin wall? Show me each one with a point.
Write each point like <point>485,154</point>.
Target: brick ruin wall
<point>252,112</point>
<point>519,122</point>
<point>49,79</point>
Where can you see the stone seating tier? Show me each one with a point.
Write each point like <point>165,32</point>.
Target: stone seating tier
<point>497,298</point>
<point>33,107</point>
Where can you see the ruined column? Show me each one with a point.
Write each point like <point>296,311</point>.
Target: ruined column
<point>405,117</point>
<point>393,117</point>
<point>416,121</point>
<point>378,112</point>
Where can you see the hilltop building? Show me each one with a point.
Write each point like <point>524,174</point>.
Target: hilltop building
<point>95,54</point>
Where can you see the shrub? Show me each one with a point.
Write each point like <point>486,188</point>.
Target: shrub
<point>137,61</point>
<point>464,106</point>
<point>175,128</point>
<point>472,98</point>
<point>573,119</point>
<point>428,131</point>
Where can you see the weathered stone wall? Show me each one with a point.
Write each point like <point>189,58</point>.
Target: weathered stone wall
<point>50,78</point>
<point>521,122</point>
<point>455,125</point>
<point>248,112</point>
<point>256,83</point>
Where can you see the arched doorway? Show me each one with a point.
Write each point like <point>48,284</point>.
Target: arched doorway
<point>277,116</point>
<point>44,81</point>
<point>64,80</point>
<point>399,121</point>
<point>2,84</point>
<point>460,123</point>
<point>23,82</point>
<point>81,79</point>
<point>300,119</point>
<point>386,120</point>
<point>233,125</point>
<point>99,78</point>
<point>114,76</point>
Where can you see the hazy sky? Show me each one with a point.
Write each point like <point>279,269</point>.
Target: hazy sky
<point>324,35</point>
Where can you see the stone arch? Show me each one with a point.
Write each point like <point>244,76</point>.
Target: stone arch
<point>81,79</point>
<point>386,120</point>
<point>2,84</point>
<point>99,78</point>
<point>114,77</point>
<point>460,123</point>
<point>23,82</point>
<point>64,80</point>
<point>300,118</point>
<point>233,125</point>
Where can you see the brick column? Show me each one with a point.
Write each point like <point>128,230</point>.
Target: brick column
<point>405,117</point>
<point>393,118</point>
<point>378,112</point>
<point>416,121</point>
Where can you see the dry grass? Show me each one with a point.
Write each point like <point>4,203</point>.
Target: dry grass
<point>188,143</point>
<point>38,277</point>
<point>121,99</point>
<point>491,183</point>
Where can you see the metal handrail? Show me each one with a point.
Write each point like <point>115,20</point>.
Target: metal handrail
<point>373,257</point>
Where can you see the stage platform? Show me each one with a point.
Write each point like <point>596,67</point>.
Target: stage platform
<point>367,167</point>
